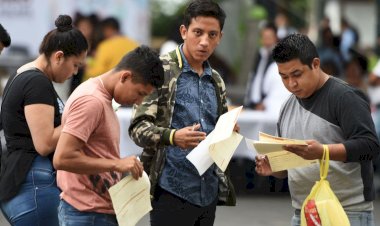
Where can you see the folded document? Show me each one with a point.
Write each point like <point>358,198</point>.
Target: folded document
<point>279,159</point>
<point>219,145</point>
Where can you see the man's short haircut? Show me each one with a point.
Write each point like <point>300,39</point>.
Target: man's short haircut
<point>110,22</point>
<point>295,46</point>
<point>205,8</point>
<point>145,65</point>
<point>270,26</point>
<point>5,39</point>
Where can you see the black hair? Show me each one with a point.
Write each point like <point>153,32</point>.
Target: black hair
<point>295,46</point>
<point>95,36</point>
<point>270,26</point>
<point>92,18</point>
<point>111,22</point>
<point>65,38</point>
<point>205,8</point>
<point>145,66</point>
<point>5,39</point>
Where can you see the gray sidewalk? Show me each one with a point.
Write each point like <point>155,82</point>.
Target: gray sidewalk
<point>253,210</point>
<point>256,210</point>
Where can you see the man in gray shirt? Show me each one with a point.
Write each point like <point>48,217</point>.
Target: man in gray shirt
<point>325,110</point>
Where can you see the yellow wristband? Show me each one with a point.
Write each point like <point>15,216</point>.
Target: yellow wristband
<point>171,138</point>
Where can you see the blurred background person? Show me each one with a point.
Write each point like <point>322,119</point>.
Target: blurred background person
<point>31,118</point>
<point>265,91</point>
<point>5,39</point>
<point>348,41</point>
<point>356,72</point>
<point>109,51</point>
<point>173,39</point>
<point>284,28</point>
<point>87,24</point>
<point>374,94</point>
<point>331,61</point>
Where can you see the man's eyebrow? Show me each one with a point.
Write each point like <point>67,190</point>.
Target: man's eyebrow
<point>291,73</point>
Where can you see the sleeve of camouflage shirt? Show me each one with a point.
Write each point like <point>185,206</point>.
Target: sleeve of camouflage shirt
<point>145,130</point>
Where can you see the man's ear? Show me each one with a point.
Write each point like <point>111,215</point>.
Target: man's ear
<point>183,31</point>
<point>125,75</point>
<point>316,63</point>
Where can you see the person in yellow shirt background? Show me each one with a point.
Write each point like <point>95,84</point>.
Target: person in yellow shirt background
<point>109,51</point>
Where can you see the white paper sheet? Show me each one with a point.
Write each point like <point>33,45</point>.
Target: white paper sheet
<point>219,145</point>
<point>222,151</point>
<point>200,156</point>
<point>131,199</point>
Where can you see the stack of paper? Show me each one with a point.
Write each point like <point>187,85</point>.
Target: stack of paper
<point>219,145</point>
<point>279,159</point>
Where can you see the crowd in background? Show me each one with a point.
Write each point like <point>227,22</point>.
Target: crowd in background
<point>340,56</point>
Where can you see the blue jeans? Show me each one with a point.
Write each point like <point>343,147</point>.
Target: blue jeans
<point>69,216</point>
<point>365,218</point>
<point>37,201</point>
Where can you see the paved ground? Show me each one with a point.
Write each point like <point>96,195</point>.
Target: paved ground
<point>255,210</point>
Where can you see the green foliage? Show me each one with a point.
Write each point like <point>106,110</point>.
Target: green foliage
<point>258,13</point>
<point>296,11</point>
<point>162,22</point>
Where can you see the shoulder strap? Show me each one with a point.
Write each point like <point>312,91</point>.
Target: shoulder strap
<point>6,93</point>
<point>2,101</point>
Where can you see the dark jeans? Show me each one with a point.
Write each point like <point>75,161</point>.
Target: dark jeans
<point>37,201</point>
<point>170,210</point>
<point>69,216</point>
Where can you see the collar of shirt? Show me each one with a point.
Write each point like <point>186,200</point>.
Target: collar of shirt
<point>186,66</point>
<point>264,52</point>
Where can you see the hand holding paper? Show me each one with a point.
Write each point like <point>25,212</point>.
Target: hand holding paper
<point>279,159</point>
<point>131,199</point>
<point>219,145</point>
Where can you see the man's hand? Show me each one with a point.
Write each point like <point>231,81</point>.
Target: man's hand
<point>131,165</point>
<point>262,165</point>
<point>237,128</point>
<point>313,150</point>
<point>189,137</point>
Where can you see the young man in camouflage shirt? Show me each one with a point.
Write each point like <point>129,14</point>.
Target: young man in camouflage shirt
<point>174,119</point>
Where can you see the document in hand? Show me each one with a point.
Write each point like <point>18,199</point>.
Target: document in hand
<point>219,145</point>
<point>131,199</point>
<point>279,159</point>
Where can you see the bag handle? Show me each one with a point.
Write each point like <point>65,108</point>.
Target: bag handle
<point>324,168</point>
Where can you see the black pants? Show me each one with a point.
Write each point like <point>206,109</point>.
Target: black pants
<point>170,210</point>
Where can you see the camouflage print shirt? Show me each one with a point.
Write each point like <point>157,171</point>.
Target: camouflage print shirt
<point>151,125</point>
